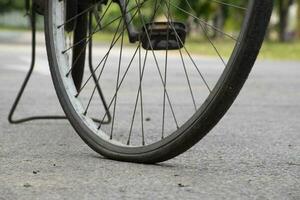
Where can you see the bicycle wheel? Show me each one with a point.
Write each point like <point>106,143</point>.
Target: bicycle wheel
<point>163,96</point>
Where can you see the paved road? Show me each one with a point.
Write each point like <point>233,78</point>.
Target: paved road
<point>253,153</point>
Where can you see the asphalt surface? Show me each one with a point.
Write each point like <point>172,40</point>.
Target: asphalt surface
<point>253,153</point>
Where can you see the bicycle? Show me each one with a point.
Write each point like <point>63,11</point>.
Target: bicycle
<point>148,55</point>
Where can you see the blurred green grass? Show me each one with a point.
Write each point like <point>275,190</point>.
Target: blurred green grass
<point>281,51</point>
<point>271,50</point>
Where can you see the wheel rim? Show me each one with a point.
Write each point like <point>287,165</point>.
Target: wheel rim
<point>81,105</point>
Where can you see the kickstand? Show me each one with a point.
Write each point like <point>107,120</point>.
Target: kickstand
<point>32,17</point>
<point>92,70</point>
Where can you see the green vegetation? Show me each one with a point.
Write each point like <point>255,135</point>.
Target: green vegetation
<point>222,17</point>
<point>281,51</point>
<point>270,50</point>
<point>12,28</point>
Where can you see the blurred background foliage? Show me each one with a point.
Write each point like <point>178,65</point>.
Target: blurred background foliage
<point>284,27</point>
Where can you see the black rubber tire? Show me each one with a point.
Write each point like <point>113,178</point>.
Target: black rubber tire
<point>214,108</point>
<point>79,50</point>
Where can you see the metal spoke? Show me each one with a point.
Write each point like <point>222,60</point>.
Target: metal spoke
<point>79,14</point>
<point>140,92</point>
<point>88,38</point>
<point>102,60</point>
<point>165,79</point>
<point>191,58</point>
<point>97,29</point>
<point>229,4</point>
<point>121,82</point>
<point>114,40</point>
<point>182,59</point>
<point>157,66</point>
<point>203,22</point>
<point>117,84</point>
<point>86,41</point>
<point>141,98</point>
<point>96,68</point>
<point>210,41</point>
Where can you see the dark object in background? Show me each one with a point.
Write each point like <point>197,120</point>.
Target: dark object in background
<point>39,6</point>
<point>164,36</point>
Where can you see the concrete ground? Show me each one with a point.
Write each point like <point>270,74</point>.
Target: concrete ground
<point>253,153</point>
